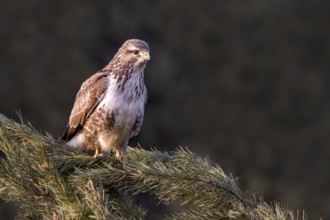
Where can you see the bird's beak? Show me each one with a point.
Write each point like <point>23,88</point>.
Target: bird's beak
<point>146,56</point>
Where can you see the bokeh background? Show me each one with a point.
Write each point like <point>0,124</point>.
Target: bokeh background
<point>246,83</point>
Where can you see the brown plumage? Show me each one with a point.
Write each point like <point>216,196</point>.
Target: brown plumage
<point>109,107</point>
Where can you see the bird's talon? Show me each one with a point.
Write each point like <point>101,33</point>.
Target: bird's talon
<point>98,155</point>
<point>118,155</point>
<point>98,152</point>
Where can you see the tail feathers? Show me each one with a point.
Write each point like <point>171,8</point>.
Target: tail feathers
<point>68,133</point>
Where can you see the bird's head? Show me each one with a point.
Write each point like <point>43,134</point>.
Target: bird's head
<point>134,52</point>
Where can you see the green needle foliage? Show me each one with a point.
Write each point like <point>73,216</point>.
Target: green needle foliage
<point>49,180</point>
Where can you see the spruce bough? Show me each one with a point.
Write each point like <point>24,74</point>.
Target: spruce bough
<point>51,181</point>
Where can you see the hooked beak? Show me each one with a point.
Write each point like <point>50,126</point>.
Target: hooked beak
<point>146,56</point>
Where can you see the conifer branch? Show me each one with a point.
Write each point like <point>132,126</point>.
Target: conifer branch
<point>51,181</point>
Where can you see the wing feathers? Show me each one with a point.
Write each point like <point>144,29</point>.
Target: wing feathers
<point>89,96</point>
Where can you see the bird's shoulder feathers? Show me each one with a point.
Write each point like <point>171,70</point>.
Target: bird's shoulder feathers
<point>88,97</point>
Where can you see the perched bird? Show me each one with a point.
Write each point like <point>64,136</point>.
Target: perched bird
<point>109,107</point>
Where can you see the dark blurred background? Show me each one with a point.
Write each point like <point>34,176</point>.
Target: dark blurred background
<point>246,83</point>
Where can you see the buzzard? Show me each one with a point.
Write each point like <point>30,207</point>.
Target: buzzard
<point>109,107</point>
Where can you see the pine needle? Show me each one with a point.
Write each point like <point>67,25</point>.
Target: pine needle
<point>49,180</point>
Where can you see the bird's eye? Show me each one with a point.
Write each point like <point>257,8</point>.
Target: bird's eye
<point>135,52</point>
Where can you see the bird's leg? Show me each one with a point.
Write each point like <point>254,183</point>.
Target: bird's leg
<point>118,154</point>
<point>97,152</point>
<point>120,157</point>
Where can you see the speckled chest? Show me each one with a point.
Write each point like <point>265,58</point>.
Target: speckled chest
<point>121,110</point>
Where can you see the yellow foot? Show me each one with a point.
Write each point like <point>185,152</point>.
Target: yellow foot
<point>98,152</point>
<point>118,155</point>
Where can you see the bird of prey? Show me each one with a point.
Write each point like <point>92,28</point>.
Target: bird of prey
<point>109,107</point>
